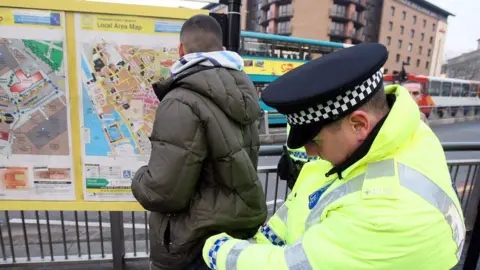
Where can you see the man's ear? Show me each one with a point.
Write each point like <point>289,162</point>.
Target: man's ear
<point>181,50</point>
<point>360,124</point>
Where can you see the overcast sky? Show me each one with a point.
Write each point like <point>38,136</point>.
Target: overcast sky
<point>462,31</point>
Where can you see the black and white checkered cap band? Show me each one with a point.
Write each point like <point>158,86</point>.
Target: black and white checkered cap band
<point>342,103</point>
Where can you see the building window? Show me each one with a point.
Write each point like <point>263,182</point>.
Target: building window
<point>397,59</point>
<point>431,40</point>
<point>410,46</point>
<point>339,10</point>
<point>402,29</point>
<point>389,40</point>
<point>337,29</point>
<point>408,59</point>
<point>412,33</point>
<point>427,65</point>
<point>286,10</point>
<point>429,52</point>
<point>420,48</point>
<point>400,43</point>
<point>385,71</point>
<point>390,26</point>
<point>434,26</point>
<point>284,28</point>
<point>424,23</point>
<point>422,37</point>
<point>418,62</point>
<point>392,10</point>
<point>404,15</point>
<point>414,19</point>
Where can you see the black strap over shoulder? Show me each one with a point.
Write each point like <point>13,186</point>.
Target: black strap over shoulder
<point>288,169</point>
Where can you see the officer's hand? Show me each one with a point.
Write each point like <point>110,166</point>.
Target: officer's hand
<point>212,246</point>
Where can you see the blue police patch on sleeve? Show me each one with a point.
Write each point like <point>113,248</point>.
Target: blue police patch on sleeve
<point>315,196</point>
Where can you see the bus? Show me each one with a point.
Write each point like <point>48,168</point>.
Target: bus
<point>267,57</point>
<point>443,92</point>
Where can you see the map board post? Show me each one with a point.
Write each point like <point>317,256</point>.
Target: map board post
<point>76,104</point>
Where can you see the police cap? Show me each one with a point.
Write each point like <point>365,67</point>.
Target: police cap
<point>326,89</point>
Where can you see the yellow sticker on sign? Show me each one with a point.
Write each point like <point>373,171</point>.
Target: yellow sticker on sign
<point>129,24</point>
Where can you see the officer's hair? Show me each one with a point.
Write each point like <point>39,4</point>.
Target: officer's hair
<point>201,33</point>
<point>377,105</point>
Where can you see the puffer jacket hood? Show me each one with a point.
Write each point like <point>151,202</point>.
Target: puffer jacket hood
<point>228,88</point>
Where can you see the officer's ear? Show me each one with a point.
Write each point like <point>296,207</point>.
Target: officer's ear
<point>360,124</point>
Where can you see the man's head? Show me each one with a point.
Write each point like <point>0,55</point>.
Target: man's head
<point>415,89</point>
<point>337,141</point>
<point>200,33</point>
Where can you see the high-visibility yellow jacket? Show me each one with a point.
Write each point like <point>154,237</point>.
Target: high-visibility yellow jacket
<point>299,154</point>
<point>393,209</point>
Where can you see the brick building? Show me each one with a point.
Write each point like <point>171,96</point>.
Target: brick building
<point>413,30</point>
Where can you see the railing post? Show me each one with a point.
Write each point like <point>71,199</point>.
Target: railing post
<point>118,241</point>
<point>473,200</point>
<point>472,220</point>
<point>473,251</point>
<point>265,123</point>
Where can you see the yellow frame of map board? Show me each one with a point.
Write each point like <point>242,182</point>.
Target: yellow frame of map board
<point>70,7</point>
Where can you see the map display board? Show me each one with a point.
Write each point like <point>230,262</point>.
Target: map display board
<point>35,139</point>
<point>118,59</point>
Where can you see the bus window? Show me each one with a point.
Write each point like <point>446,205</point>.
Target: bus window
<point>456,90</point>
<point>465,89</point>
<point>387,83</point>
<point>434,88</point>
<point>255,47</point>
<point>473,90</point>
<point>446,89</point>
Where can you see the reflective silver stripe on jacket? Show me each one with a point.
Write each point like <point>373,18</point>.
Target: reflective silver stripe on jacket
<point>282,213</point>
<point>234,253</point>
<point>410,179</point>
<point>296,258</point>
<point>431,192</point>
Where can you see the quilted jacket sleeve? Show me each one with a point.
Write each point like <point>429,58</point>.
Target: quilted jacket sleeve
<point>168,182</point>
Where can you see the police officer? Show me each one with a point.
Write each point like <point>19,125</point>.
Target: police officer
<point>383,201</point>
<point>291,163</point>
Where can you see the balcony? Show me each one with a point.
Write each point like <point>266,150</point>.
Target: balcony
<point>338,16</point>
<point>361,5</point>
<point>338,34</point>
<point>265,19</point>
<point>266,3</point>
<point>284,16</point>
<point>284,31</point>
<point>358,21</point>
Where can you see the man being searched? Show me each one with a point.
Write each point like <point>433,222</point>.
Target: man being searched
<point>415,90</point>
<point>201,178</point>
<point>384,201</point>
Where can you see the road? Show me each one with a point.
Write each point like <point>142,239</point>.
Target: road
<point>460,132</point>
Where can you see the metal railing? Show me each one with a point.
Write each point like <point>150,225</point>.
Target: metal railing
<point>32,237</point>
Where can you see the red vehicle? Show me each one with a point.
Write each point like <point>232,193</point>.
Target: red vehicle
<point>441,92</point>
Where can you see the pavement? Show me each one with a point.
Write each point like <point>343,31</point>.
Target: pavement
<point>96,236</point>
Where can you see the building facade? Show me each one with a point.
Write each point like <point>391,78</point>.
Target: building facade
<point>465,66</point>
<point>413,30</point>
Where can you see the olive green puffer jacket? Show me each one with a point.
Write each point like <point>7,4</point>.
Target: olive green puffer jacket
<point>201,178</point>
